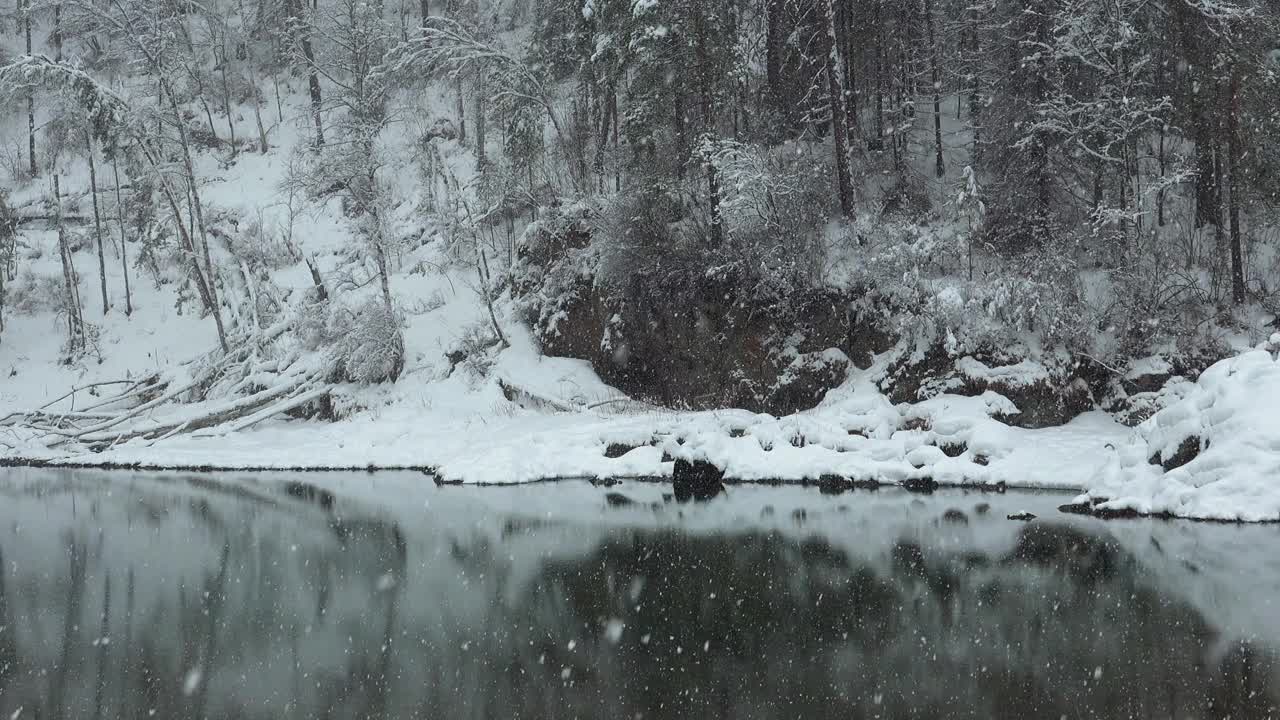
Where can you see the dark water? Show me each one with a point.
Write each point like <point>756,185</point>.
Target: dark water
<point>183,596</point>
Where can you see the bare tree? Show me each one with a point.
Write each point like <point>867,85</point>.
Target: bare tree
<point>97,218</point>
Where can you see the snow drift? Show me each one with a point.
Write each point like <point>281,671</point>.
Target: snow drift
<point>1214,454</point>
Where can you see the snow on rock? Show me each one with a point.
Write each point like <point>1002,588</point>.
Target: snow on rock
<point>1021,374</point>
<point>1212,454</point>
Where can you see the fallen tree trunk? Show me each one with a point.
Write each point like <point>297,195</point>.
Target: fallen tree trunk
<point>211,417</point>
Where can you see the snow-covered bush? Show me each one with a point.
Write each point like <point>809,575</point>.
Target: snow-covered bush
<point>475,349</point>
<point>370,345</point>
<point>29,293</point>
<point>364,344</point>
<point>258,248</point>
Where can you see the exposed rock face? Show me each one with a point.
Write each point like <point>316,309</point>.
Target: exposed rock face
<point>703,341</point>
<point>694,342</point>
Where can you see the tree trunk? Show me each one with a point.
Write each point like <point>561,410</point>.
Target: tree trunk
<point>835,94</point>
<point>774,39</point>
<point>275,81</point>
<point>184,237</point>
<point>302,36</point>
<point>31,98</point>
<point>57,32</point>
<point>198,212</point>
<point>75,321</point>
<point>462,110</point>
<point>940,169</point>
<point>1233,190</point>
<point>1161,157</point>
<point>617,171</point>
<point>226,95</point>
<point>606,124</point>
<point>97,219</point>
<point>480,125</point>
<point>704,72</point>
<point>257,115</point>
<point>852,121</point>
<point>1206,176</point>
<point>124,248</point>
<point>877,142</point>
<point>678,124</point>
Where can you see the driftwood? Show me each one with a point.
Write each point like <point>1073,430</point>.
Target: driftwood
<point>211,395</point>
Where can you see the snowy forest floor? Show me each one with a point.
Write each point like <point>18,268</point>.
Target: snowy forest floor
<point>524,417</point>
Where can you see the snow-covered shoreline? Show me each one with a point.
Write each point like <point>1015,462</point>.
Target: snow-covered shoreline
<point>476,435</point>
<point>949,440</point>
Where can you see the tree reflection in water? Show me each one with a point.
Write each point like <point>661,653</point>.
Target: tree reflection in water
<point>244,603</point>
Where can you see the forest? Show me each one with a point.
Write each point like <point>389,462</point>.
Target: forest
<point>714,203</point>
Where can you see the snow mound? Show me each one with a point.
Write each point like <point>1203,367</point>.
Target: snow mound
<point>1214,454</point>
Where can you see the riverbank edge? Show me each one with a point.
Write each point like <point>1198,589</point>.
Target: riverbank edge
<point>824,485</point>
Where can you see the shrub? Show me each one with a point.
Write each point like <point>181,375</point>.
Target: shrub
<point>368,345</point>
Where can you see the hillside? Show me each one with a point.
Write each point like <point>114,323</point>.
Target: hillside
<point>501,268</point>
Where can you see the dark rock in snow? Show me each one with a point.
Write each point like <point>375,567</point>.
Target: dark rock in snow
<point>1024,516</point>
<point>1188,450</point>
<point>982,508</point>
<point>696,480</point>
<point>617,450</point>
<point>955,516</point>
<point>834,485</point>
<point>1121,513</point>
<point>923,485</point>
<point>837,484</point>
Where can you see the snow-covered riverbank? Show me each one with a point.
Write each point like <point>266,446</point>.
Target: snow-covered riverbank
<point>1219,444</point>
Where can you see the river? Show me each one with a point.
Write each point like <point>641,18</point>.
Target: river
<point>383,595</point>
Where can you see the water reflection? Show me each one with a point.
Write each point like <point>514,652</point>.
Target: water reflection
<point>163,597</point>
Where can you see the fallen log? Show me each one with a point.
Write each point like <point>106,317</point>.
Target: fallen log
<point>211,417</point>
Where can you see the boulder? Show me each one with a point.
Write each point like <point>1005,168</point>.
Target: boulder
<point>696,480</point>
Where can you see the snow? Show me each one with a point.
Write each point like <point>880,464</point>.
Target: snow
<point>1228,418</point>
<point>1021,374</point>
<point>473,434</point>
<point>1151,365</point>
<point>463,426</point>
